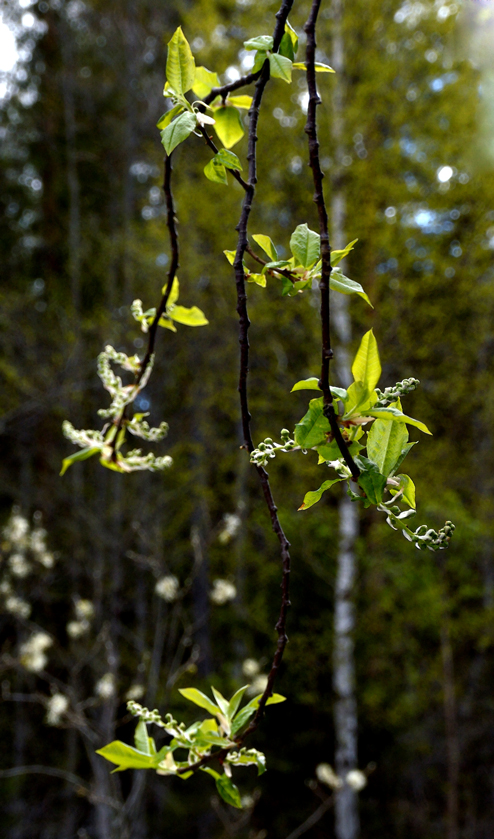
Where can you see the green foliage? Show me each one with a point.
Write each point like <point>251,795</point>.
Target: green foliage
<point>221,730</point>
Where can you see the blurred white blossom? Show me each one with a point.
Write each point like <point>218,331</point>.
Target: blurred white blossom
<point>16,529</point>
<point>222,592</point>
<point>231,526</point>
<point>325,774</point>
<point>56,708</point>
<point>32,652</point>
<point>250,668</point>
<point>105,687</point>
<point>135,692</point>
<point>167,588</point>
<point>84,609</point>
<point>258,685</point>
<point>356,780</point>
<point>76,629</point>
<point>17,606</point>
<point>19,565</point>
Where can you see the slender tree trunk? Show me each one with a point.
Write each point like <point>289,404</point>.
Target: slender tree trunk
<point>452,745</point>
<point>345,710</point>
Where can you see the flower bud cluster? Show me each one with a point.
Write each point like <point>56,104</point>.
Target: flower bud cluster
<point>391,394</point>
<point>83,437</point>
<point>140,428</point>
<point>136,461</point>
<point>268,449</point>
<point>423,537</point>
<point>142,317</point>
<point>149,716</point>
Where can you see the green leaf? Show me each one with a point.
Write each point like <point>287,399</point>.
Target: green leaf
<point>83,454</point>
<point>305,245</point>
<point>286,47</point>
<point>243,102</point>
<point>230,255</point>
<point>306,384</point>
<point>126,757</point>
<point>408,487</point>
<point>260,58</point>
<point>174,292</point>
<point>280,67</point>
<point>166,323</point>
<point>337,256</point>
<point>228,791</point>
<point>246,713</point>
<point>220,701</point>
<point>178,131</point>
<point>235,701</point>
<point>385,443</point>
<point>320,68</point>
<point>403,454</point>
<point>359,399</point>
<point>189,317</point>
<point>215,171</point>
<point>313,427</point>
<point>204,81</point>
<point>248,757</point>
<point>395,414</point>
<point>229,159</point>
<point>260,279</point>
<point>366,367</point>
<point>311,498</point>
<point>169,116</point>
<point>261,42</point>
<point>141,738</point>
<point>228,125</point>
<point>180,64</point>
<point>338,282</point>
<point>331,451</point>
<point>266,244</point>
<point>198,698</point>
<point>370,479</point>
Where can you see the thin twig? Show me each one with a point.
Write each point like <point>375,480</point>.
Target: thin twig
<point>225,89</point>
<point>324,285</point>
<point>313,819</point>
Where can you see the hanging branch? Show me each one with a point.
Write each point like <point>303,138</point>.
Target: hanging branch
<point>324,287</point>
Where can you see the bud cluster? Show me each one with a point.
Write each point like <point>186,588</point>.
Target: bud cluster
<point>391,394</point>
<point>268,449</point>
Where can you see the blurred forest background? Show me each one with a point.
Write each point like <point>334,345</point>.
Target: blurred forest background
<point>132,586</point>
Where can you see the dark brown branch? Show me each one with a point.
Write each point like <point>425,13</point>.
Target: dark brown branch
<point>244,323</point>
<point>324,285</point>
<point>172,228</point>
<point>212,145</point>
<point>223,91</point>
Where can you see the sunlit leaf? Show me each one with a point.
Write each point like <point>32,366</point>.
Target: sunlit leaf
<point>311,498</point>
<point>261,42</point>
<point>305,245</point>
<point>229,159</point>
<point>215,171</point>
<point>338,282</point>
<point>180,64</point>
<point>313,427</point>
<point>266,244</point>
<point>199,698</point>
<point>228,125</point>
<point>366,367</point>
<point>408,487</point>
<point>126,757</point>
<point>204,81</point>
<point>189,317</point>
<point>178,131</point>
<point>169,116</point>
<point>83,454</point>
<point>242,101</point>
<point>337,256</point>
<point>280,67</point>
<point>228,791</point>
<point>385,443</point>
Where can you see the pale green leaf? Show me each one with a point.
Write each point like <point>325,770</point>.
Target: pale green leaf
<point>189,317</point>
<point>359,399</point>
<point>366,367</point>
<point>174,292</point>
<point>228,125</point>
<point>230,255</point>
<point>408,487</point>
<point>311,498</point>
<point>235,701</point>
<point>221,702</point>
<point>266,244</point>
<point>126,757</point>
<point>370,479</point>
<point>199,698</point>
<point>313,427</point>
<point>305,245</point>
<point>166,323</point>
<point>261,42</point>
<point>320,68</point>
<point>280,67</point>
<point>331,451</point>
<point>246,713</point>
<point>83,454</point>
<point>228,791</point>
<point>141,738</point>
<point>204,81</point>
<point>403,454</point>
<point>306,384</point>
<point>178,131</point>
<point>242,101</point>
<point>215,171</point>
<point>169,116</point>
<point>260,58</point>
<point>337,256</point>
<point>338,282</point>
<point>229,159</point>
<point>180,64</point>
<point>259,279</point>
<point>394,414</point>
<point>385,443</point>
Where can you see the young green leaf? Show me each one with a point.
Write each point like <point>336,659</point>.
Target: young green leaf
<point>230,255</point>
<point>280,67</point>
<point>370,479</point>
<point>337,256</point>
<point>331,451</point>
<point>228,791</point>
<point>286,47</point>
<point>141,738</point>
<point>180,64</point>
<point>305,245</point>
<point>229,159</point>
<point>307,384</point>
<point>228,125</point>
<point>408,487</point>
<point>199,698</point>
<point>266,244</point>
<point>215,171</point>
<point>366,367</point>
<point>174,292</point>
<point>220,701</point>
<point>260,58</point>
<point>395,414</point>
<point>178,131</point>
<point>320,68</point>
<point>359,399</point>
<point>403,455</point>
<point>338,282</point>
<point>261,42</point>
<point>126,757</point>
<point>235,702</point>
<point>242,101</point>
<point>169,116</point>
<point>83,454</point>
<point>204,81</point>
<point>189,317</point>
<point>311,498</point>
<point>313,427</point>
<point>259,279</point>
<point>385,443</point>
